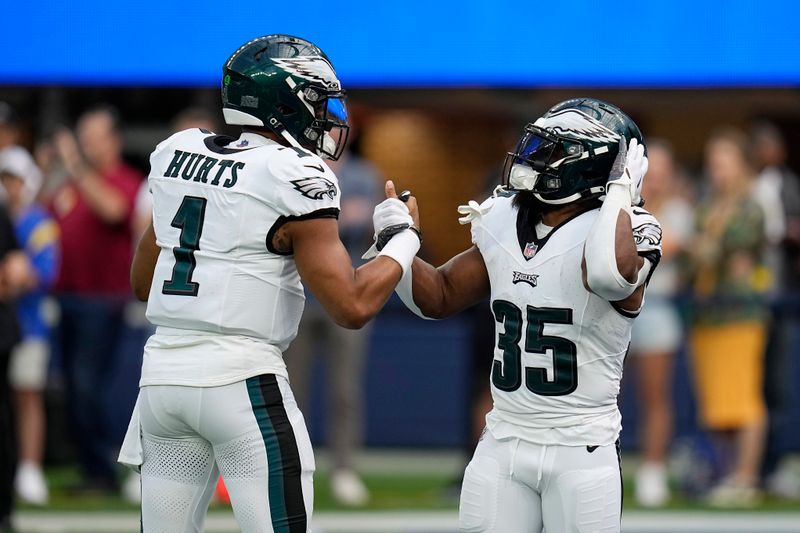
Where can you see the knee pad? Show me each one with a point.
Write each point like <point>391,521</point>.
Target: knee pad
<point>477,508</point>
<point>592,498</point>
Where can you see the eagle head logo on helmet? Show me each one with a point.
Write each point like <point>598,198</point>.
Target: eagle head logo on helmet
<point>566,155</point>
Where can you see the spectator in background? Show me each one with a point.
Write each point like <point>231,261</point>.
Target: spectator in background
<point>37,235</point>
<point>658,331</point>
<point>13,268</point>
<point>344,349</point>
<point>94,211</point>
<point>9,131</point>
<point>8,126</point>
<point>9,335</point>
<point>778,191</point>
<point>730,316</point>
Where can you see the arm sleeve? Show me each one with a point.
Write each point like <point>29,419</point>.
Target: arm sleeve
<point>404,290</point>
<point>599,253</point>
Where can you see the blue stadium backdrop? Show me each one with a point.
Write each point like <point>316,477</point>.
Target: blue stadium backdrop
<point>412,43</point>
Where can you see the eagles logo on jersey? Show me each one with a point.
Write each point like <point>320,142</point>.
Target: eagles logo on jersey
<point>647,235</point>
<point>315,188</point>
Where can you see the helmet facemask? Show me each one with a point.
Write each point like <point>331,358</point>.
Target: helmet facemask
<point>329,130</point>
<point>535,164</point>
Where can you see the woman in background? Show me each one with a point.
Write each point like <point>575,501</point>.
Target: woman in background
<point>729,325</point>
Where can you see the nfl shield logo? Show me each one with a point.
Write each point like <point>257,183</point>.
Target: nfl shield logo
<point>530,250</point>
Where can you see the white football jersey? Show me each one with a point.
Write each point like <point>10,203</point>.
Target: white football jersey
<point>559,348</point>
<point>226,303</point>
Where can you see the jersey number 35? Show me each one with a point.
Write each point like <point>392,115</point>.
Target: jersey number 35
<point>507,375</point>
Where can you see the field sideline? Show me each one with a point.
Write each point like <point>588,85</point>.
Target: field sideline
<point>419,522</point>
<point>413,491</point>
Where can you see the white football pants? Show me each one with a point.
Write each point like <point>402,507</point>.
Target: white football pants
<point>250,431</point>
<point>514,486</point>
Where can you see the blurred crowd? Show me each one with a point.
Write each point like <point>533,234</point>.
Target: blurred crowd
<point>726,291</point>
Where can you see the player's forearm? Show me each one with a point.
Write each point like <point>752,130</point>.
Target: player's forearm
<point>441,292</point>
<point>144,264</point>
<point>355,302</point>
<point>428,289</point>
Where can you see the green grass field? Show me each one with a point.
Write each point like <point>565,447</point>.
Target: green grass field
<point>411,493</point>
<point>389,491</point>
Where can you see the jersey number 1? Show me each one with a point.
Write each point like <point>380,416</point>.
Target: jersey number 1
<point>507,375</point>
<point>188,219</point>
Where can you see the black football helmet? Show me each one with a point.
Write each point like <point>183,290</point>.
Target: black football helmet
<point>288,85</point>
<point>567,154</point>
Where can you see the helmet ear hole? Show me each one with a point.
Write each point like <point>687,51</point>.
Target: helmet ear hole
<point>285,110</point>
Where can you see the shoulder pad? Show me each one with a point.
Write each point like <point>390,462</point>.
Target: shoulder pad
<point>307,173</point>
<point>302,184</point>
<point>178,135</point>
<point>472,212</point>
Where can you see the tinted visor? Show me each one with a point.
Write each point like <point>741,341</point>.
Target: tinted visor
<point>337,110</point>
<point>543,152</point>
<point>541,149</point>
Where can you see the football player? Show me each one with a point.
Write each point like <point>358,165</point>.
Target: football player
<point>237,224</point>
<point>564,251</point>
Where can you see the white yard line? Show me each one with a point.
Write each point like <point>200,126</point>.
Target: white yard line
<point>418,522</point>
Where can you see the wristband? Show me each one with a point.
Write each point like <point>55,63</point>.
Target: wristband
<point>402,248</point>
<point>386,235</point>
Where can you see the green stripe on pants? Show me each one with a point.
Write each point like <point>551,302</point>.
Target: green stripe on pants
<point>277,502</point>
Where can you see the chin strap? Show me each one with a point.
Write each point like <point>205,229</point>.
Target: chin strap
<point>290,139</point>
<point>588,193</point>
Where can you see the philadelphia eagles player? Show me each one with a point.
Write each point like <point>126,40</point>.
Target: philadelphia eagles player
<point>237,224</point>
<point>564,252</point>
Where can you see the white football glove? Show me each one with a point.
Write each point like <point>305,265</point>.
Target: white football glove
<point>389,217</point>
<point>629,169</point>
<point>472,211</point>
